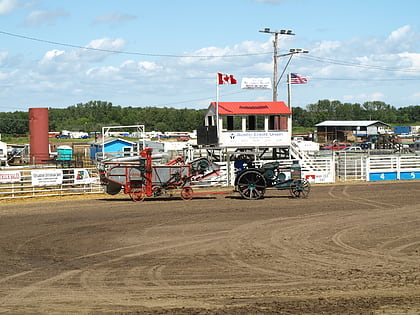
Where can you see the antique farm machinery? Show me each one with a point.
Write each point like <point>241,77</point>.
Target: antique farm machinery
<point>140,178</point>
<point>252,182</point>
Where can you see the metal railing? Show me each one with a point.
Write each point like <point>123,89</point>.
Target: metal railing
<point>42,182</point>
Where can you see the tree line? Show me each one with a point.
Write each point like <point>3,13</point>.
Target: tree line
<point>335,110</point>
<point>92,116</point>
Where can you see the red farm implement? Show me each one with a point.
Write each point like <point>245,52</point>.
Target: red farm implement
<point>141,178</point>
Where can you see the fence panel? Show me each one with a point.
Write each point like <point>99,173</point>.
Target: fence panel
<point>40,182</point>
<point>27,183</point>
<point>320,170</point>
<point>350,167</point>
<point>393,168</point>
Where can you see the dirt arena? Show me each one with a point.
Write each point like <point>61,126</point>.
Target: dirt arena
<point>347,249</point>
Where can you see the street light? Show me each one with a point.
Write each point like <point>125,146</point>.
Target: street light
<point>276,34</point>
<point>291,52</point>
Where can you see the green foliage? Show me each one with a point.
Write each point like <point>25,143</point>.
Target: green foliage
<point>335,110</point>
<point>93,115</point>
<point>14,123</point>
<point>96,114</point>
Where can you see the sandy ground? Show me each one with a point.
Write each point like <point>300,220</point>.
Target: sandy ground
<point>347,249</point>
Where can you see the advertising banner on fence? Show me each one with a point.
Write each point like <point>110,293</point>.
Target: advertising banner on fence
<point>9,176</point>
<point>47,177</point>
<point>81,176</point>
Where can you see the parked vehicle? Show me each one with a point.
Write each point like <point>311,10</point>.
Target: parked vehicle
<point>353,149</point>
<point>335,146</point>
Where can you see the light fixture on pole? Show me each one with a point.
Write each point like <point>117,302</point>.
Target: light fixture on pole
<point>276,34</point>
<point>289,83</point>
<point>291,52</point>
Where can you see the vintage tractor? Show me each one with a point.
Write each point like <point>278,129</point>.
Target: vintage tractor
<point>252,182</point>
<point>140,178</point>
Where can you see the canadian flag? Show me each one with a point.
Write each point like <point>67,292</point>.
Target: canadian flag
<point>226,78</point>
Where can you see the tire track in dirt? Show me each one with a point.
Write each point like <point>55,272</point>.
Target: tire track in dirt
<point>208,260</point>
<point>88,275</point>
<point>343,194</point>
<point>152,275</point>
<point>316,251</point>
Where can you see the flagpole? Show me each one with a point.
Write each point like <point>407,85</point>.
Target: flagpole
<point>289,90</point>
<point>217,105</point>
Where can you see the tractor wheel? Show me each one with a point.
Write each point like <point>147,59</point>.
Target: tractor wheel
<point>300,188</point>
<point>251,184</point>
<point>186,193</point>
<point>137,194</point>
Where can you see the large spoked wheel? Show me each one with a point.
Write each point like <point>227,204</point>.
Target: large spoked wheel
<point>251,184</point>
<point>300,188</point>
<point>186,193</point>
<point>137,194</point>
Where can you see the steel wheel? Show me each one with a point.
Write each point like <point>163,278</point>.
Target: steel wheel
<point>300,188</point>
<point>251,185</point>
<point>137,194</point>
<point>186,193</point>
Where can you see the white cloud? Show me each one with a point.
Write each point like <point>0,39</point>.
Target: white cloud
<point>376,96</point>
<point>8,6</point>
<point>114,18</point>
<point>3,57</point>
<point>399,34</point>
<point>326,47</point>
<point>98,49</point>
<point>55,62</point>
<point>363,97</point>
<point>37,18</point>
<point>145,66</point>
<point>103,73</point>
<point>94,72</point>
<point>412,60</point>
<point>52,54</point>
<point>107,44</point>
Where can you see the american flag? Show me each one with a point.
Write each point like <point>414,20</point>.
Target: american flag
<point>296,78</point>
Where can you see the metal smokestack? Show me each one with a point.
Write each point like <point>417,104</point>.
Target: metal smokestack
<point>38,130</point>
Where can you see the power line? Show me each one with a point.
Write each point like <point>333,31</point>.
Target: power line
<point>311,57</point>
<point>358,65</point>
<point>126,52</point>
<point>353,79</point>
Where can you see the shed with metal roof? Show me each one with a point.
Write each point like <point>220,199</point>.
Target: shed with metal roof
<point>349,130</point>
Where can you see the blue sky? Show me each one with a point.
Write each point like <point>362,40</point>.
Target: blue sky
<point>166,53</point>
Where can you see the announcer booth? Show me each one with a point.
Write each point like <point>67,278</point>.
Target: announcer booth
<point>248,126</point>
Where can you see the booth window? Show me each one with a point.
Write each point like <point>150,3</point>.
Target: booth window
<point>232,122</point>
<point>230,125</point>
<point>277,122</point>
<point>251,123</point>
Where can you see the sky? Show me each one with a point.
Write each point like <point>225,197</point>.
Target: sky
<point>167,53</point>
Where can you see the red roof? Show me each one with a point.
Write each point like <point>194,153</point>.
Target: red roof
<point>252,108</point>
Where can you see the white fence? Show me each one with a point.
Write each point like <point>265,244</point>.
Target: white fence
<point>356,167</point>
<point>26,183</point>
<point>393,168</point>
<point>350,167</point>
<point>315,171</point>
